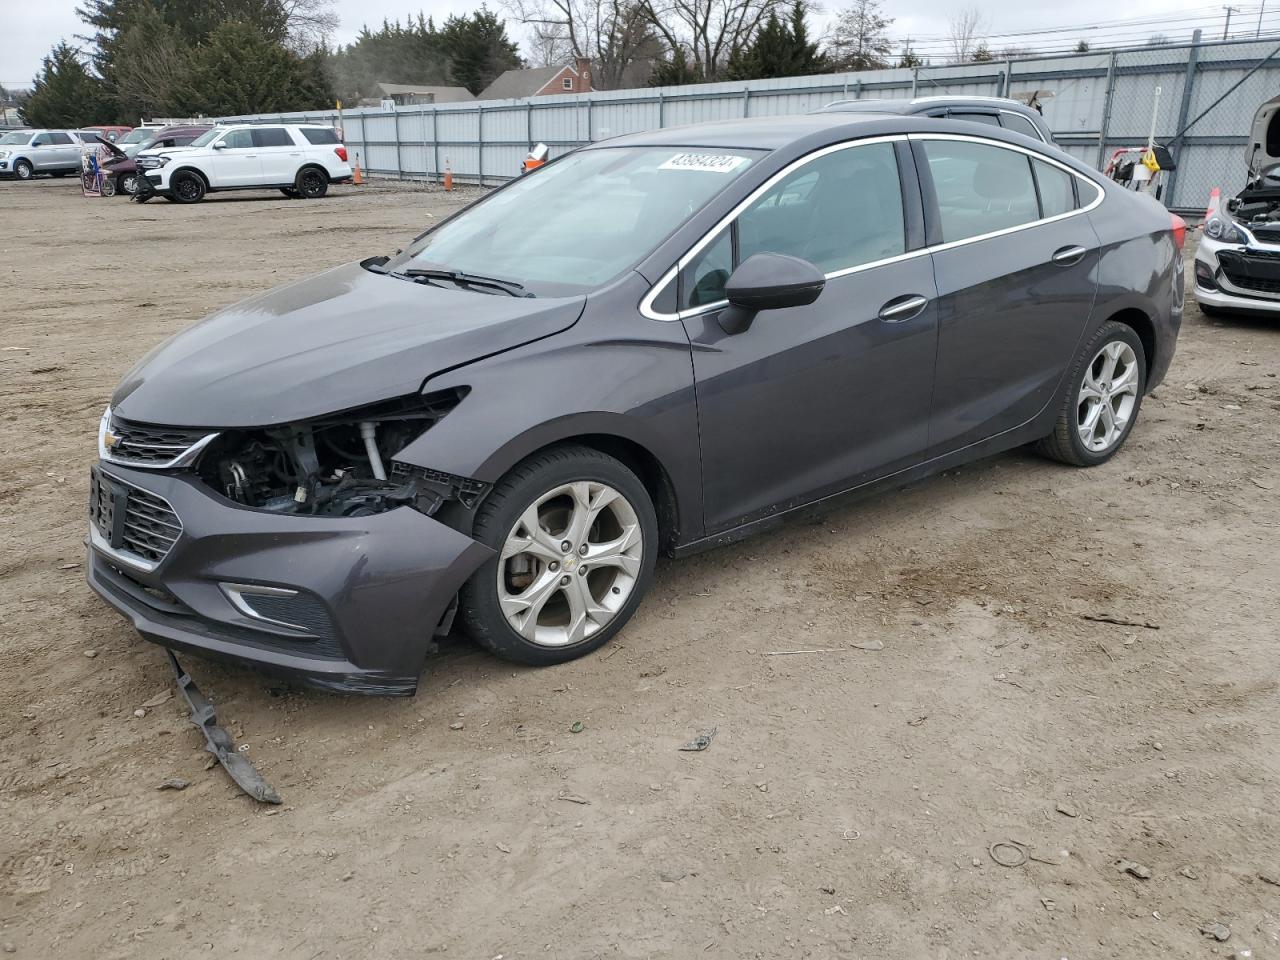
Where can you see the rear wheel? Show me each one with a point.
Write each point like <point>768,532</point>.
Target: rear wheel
<point>576,538</point>
<point>1103,395</point>
<point>311,183</point>
<point>186,187</point>
<point>22,170</point>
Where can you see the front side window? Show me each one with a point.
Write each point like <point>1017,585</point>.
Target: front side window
<point>980,188</point>
<point>839,211</point>
<point>271,137</point>
<point>582,220</point>
<point>238,140</point>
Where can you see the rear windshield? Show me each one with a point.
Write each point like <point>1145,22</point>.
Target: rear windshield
<point>315,135</point>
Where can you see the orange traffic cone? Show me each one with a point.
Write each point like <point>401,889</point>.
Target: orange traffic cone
<point>448,175</point>
<point>356,178</point>
<point>1215,201</point>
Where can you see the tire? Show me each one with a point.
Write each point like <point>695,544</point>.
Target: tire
<point>23,170</point>
<point>555,485</point>
<point>127,183</point>
<point>186,186</point>
<point>1111,371</point>
<point>290,192</point>
<point>312,183</point>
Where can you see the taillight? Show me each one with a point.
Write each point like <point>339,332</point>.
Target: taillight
<point>1179,228</point>
<point>341,151</point>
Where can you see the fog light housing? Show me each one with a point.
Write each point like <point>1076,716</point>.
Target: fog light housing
<point>1204,276</point>
<point>284,607</point>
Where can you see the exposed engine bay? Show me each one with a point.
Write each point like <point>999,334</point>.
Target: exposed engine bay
<point>1257,206</point>
<point>338,465</point>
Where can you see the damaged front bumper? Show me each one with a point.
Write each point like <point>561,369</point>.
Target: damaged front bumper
<point>347,604</point>
<point>1239,277</point>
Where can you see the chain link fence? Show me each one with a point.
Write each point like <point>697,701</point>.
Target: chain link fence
<point>1201,96</point>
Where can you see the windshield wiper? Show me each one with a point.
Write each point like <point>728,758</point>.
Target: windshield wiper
<point>467,280</point>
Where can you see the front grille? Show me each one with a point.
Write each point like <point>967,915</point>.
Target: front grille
<point>150,446</point>
<point>148,527</point>
<point>1257,270</point>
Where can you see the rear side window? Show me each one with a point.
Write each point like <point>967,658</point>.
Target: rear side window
<point>271,137</point>
<point>980,188</point>
<point>839,211</point>
<point>1056,192</point>
<point>989,118</point>
<point>56,137</point>
<point>319,136</point>
<point>1020,124</point>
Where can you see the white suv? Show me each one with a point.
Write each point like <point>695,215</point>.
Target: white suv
<point>299,159</point>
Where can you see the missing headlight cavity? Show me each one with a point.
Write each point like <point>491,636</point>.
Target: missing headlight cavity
<point>337,465</point>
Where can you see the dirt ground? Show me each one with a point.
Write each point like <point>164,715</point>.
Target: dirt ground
<point>850,799</point>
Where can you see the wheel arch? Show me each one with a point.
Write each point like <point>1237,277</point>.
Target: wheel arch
<point>1142,325</point>
<point>312,165</point>
<point>187,168</point>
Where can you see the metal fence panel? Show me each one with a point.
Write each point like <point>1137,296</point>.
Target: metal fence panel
<point>1093,102</point>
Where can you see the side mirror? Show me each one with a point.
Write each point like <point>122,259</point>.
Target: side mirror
<point>769,281</point>
<point>37,143</point>
<point>220,145</point>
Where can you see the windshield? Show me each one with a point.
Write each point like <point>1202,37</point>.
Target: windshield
<point>207,137</point>
<point>16,137</point>
<point>582,220</point>
<point>136,136</point>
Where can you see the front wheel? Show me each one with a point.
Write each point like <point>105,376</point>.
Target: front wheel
<point>576,538</point>
<point>127,183</point>
<point>186,187</point>
<point>23,170</point>
<point>1103,394</point>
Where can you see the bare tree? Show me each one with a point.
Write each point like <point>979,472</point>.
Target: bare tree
<point>860,40</point>
<point>309,24</point>
<point>964,26</point>
<point>710,31</point>
<point>615,35</point>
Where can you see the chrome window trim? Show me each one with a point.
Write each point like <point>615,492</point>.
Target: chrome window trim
<point>646,304</point>
<point>184,459</point>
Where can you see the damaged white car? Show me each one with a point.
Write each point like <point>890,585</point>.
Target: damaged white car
<point>1238,261</point>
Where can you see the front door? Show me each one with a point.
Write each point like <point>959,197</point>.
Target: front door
<point>813,400</point>
<point>236,163</point>
<point>1016,275</point>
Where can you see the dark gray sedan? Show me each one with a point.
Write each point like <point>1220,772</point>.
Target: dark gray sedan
<point>652,345</point>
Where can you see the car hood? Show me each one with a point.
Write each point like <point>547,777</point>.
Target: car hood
<point>345,338</point>
<point>1264,142</point>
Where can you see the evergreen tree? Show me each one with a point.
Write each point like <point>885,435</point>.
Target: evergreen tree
<point>414,53</point>
<point>780,49</point>
<point>909,59</point>
<point>479,49</point>
<point>676,71</point>
<point>982,54</point>
<point>64,93</point>
<point>239,70</point>
<point>860,40</point>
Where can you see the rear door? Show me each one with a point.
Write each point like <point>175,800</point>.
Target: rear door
<point>813,400</point>
<point>236,163</point>
<point>1015,263</point>
<point>280,156</point>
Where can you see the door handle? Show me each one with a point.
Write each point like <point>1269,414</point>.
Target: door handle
<point>903,308</point>
<point>1069,255</point>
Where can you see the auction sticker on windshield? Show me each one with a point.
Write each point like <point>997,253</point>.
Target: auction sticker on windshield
<point>705,162</point>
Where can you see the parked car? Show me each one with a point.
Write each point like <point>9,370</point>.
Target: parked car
<point>125,169</point>
<point>110,132</point>
<point>26,153</point>
<point>658,343</point>
<point>995,111</point>
<point>1238,260</point>
<point>131,140</point>
<point>301,160</point>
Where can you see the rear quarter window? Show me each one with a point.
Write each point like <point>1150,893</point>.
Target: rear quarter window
<point>1020,124</point>
<point>1057,196</point>
<point>318,136</point>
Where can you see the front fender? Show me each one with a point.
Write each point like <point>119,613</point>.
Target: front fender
<point>614,374</point>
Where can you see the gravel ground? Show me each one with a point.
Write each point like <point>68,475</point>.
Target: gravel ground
<point>943,690</point>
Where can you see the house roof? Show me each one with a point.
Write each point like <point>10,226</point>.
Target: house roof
<point>441,94</point>
<point>514,84</point>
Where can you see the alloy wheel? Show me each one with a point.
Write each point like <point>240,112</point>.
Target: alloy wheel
<point>311,184</point>
<point>1108,396</point>
<point>569,563</point>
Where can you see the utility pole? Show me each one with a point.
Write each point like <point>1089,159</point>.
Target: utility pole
<point>1258,32</point>
<point>1226,29</point>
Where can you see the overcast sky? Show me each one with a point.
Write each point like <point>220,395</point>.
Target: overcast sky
<point>29,29</point>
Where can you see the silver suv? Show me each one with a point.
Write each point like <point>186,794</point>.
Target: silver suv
<point>24,153</point>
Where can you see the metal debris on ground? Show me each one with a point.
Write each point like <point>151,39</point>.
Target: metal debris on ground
<point>161,697</point>
<point>1271,878</point>
<point>1135,869</point>
<point>572,798</point>
<point>1119,621</point>
<point>218,741</point>
<point>871,645</point>
<point>1219,931</point>
<point>700,742</point>
<point>1008,853</point>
